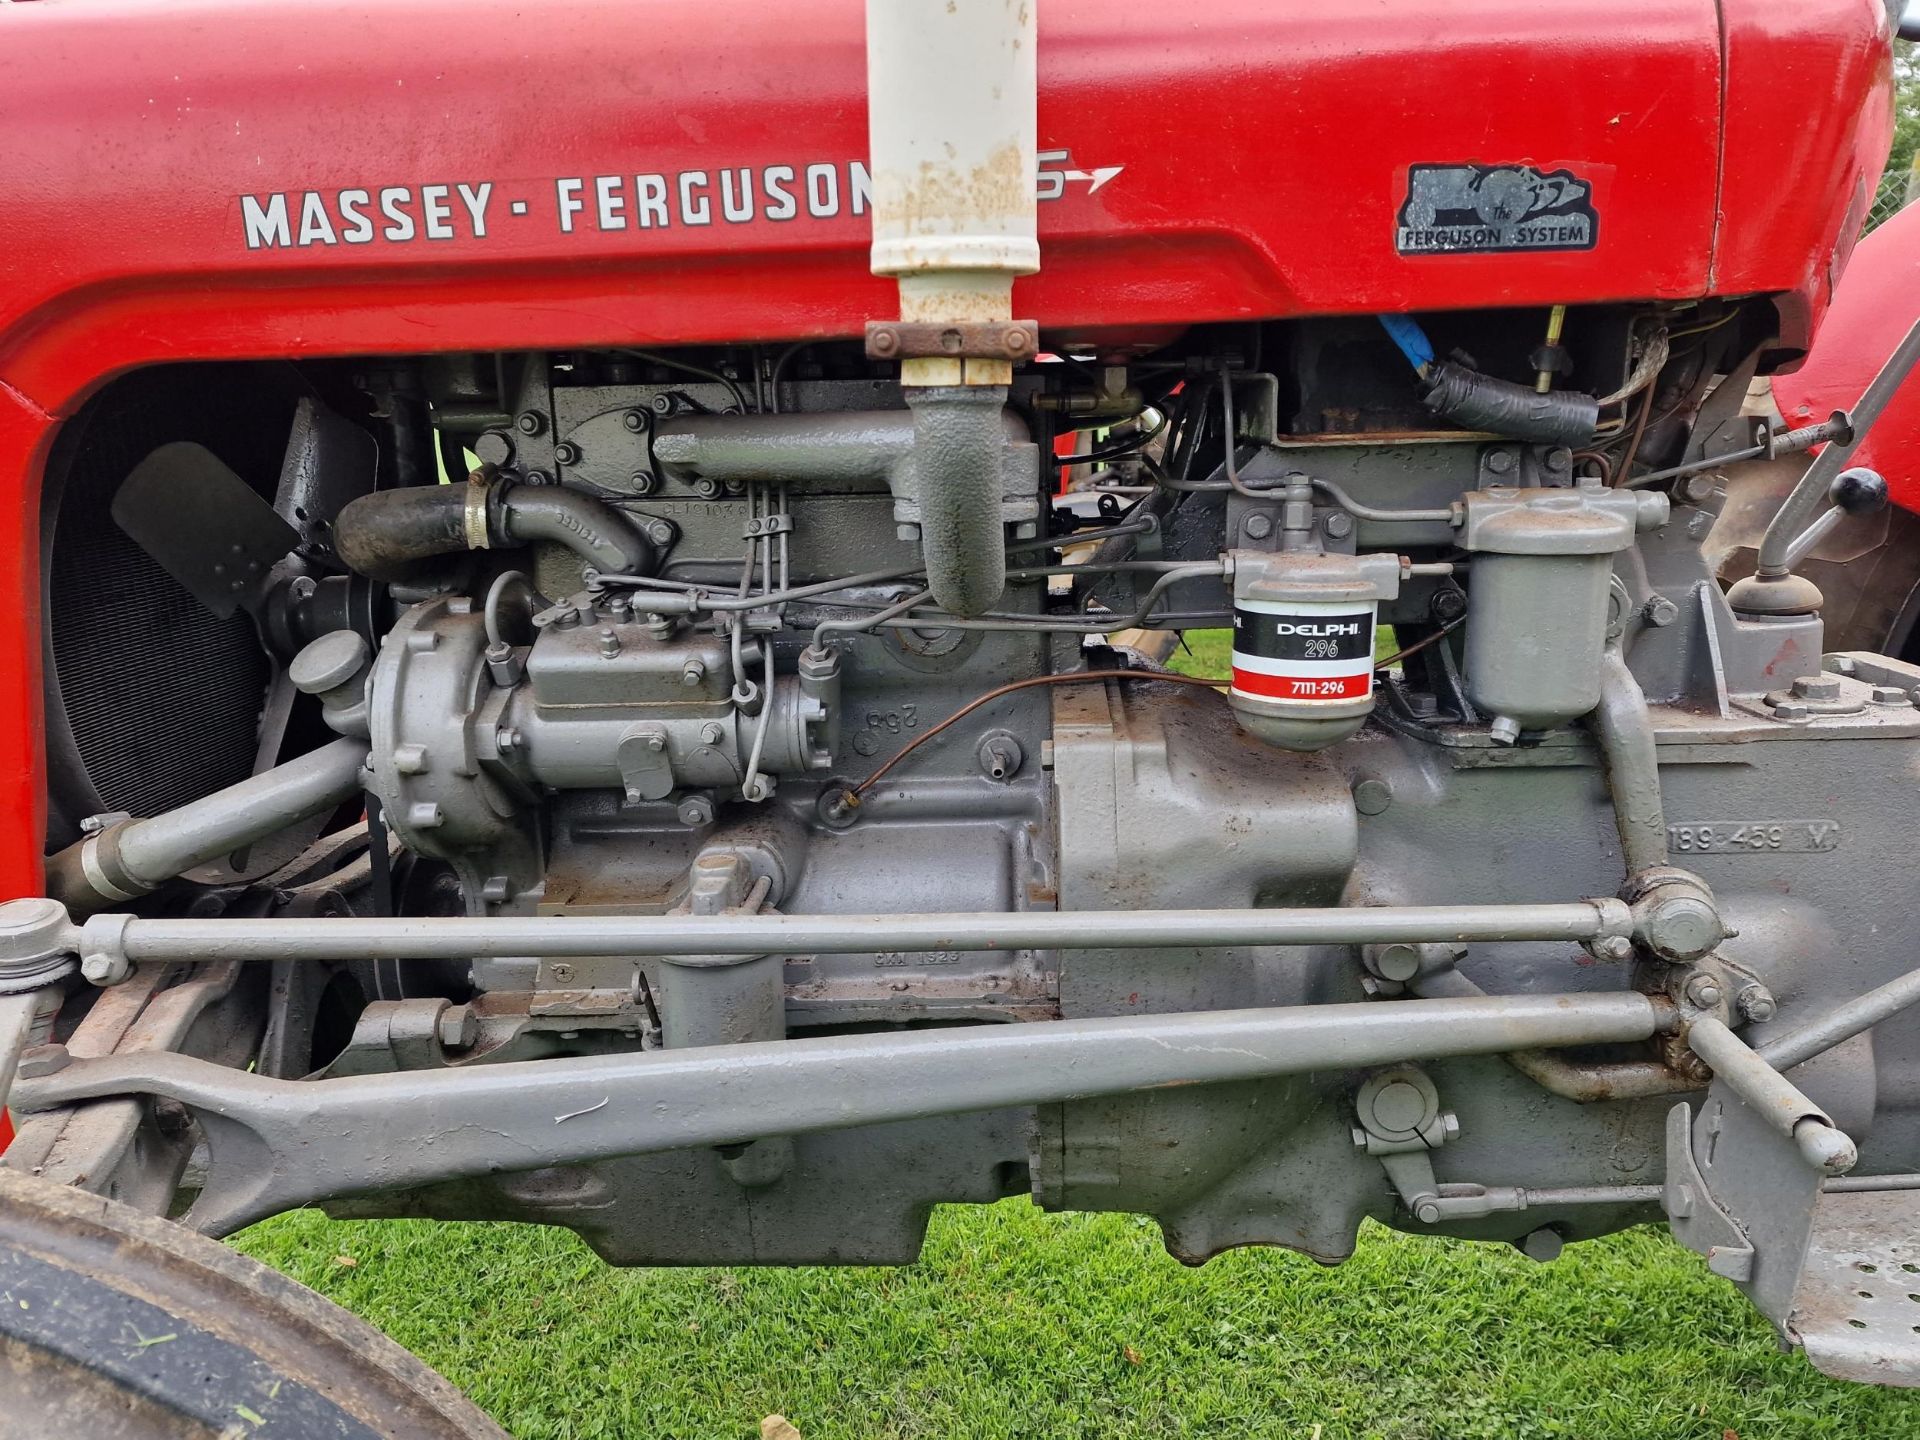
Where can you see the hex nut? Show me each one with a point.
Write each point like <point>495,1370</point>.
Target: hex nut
<point>42,1060</point>
<point>1817,687</point>
<point>495,448</point>
<point>695,811</point>
<point>1543,1245</point>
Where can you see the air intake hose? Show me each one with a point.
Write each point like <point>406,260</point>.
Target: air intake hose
<point>959,450</point>
<point>389,534</point>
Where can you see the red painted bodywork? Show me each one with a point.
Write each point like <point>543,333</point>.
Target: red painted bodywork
<point>1265,150</point>
<point>1872,311</point>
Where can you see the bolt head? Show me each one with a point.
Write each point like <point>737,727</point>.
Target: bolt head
<point>1617,948</point>
<point>1681,927</point>
<point>1398,963</point>
<point>1790,710</point>
<point>634,420</point>
<point>1338,525</point>
<point>530,422</point>
<point>42,1060</point>
<point>1499,462</point>
<point>1695,489</point>
<point>1817,687</point>
<point>1544,1245</point>
<point>1372,796</point>
<point>1887,695</point>
<point>1704,991</point>
<point>1757,1005</point>
<point>693,673</point>
<point>1258,525</point>
<point>104,969</point>
<point>1660,611</point>
<point>459,1027</point>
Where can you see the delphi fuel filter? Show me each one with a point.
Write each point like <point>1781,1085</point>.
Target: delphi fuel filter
<point>1303,626</point>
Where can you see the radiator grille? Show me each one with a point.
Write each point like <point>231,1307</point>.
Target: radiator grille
<point>162,698</point>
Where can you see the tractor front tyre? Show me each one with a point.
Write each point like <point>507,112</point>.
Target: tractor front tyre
<point>115,1325</point>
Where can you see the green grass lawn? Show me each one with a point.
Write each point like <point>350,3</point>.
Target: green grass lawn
<point>1016,1323</point>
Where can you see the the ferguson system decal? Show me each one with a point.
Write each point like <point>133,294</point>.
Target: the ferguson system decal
<point>1490,209</point>
<point>580,204</point>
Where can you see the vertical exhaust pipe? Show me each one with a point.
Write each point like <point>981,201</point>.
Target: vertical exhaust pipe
<point>951,101</point>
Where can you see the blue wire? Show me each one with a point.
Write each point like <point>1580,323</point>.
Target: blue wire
<point>1411,339</point>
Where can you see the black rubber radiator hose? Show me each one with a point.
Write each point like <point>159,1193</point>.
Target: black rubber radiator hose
<point>1480,402</point>
<point>391,534</point>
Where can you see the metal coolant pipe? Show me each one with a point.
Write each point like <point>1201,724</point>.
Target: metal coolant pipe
<point>951,121</point>
<point>1624,729</point>
<point>135,857</point>
<point>571,936</point>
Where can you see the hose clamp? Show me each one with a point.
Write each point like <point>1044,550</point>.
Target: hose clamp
<point>474,514</point>
<point>105,872</point>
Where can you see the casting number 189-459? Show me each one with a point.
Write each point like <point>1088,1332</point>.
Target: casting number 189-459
<point>1754,837</point>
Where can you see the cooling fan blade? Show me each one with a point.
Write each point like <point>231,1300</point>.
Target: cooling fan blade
<point>203,525</point>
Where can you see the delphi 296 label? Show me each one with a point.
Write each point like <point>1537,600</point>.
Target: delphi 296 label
<point>1303,651</point>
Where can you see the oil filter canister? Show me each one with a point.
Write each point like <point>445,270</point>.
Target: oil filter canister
<point>1303,627</point>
